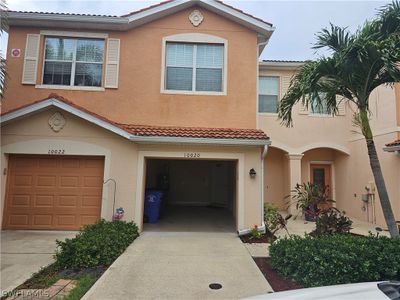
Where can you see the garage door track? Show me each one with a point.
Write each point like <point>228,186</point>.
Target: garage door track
<point>181,266</point>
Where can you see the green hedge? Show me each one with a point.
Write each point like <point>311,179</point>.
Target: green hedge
<point>94,245</point>
<point>336,259</point>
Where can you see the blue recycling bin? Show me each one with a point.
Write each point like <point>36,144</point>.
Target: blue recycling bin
<point>152,203</point>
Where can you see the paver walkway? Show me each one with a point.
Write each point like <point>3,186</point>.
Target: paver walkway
<point>181,266</point>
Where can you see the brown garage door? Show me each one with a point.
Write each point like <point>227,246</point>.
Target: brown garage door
<point>53,192</point>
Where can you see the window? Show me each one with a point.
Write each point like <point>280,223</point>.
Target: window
<point>194,67</point>
<point>268,92</point>
<point>73,62</point>
<point>319,109</point>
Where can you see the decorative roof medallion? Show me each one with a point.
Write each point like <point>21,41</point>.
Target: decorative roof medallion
<point>57,122</point>
<point>196,18</point>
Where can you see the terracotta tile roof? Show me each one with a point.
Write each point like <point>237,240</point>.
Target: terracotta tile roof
<point>394,143</point>
<point>146,8</point>
<point>60,14</point>
<point>195,132</point>
<point>134,12</point>
<point>163,131</point>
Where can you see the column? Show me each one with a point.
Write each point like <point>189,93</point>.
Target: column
<point>294,177</point>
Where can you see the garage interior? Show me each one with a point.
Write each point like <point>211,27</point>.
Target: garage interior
<point>198,195</point>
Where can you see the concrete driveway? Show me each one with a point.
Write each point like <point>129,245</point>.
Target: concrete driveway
<point>25,252</point>
<point>181,266</point>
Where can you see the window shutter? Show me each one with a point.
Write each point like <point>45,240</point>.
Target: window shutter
<point>341,104</point>
<point>31,59</point>
<point>112,63</point>
<point>285,83</point>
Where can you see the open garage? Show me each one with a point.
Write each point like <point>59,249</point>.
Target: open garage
<point>197,195</point>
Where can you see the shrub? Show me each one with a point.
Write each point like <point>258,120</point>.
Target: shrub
<point>336,259</point>
<point>273,219</point>
<point>331,221</point>
<point>255,234</point>
<point>94,245</point>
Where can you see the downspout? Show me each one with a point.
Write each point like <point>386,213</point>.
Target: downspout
<point>258,74</point>
<point>264,153</point>
<point>265,150</point>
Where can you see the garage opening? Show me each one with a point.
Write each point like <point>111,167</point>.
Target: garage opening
<point>197,195</point>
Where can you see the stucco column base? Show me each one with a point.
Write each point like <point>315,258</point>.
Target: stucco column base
<point>294,178</point>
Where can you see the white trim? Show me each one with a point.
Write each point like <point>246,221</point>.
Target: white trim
<point>94,35</point>
<point>324,145</point>
<point>140,180</point>
<point>66,107</point>
<point>195,38</point>
<point>333,179</point>
<point>71,88</point>
<point>185,140</point>
<point>139,18</point>
<point>392,148</point>
<point>41,146</point>
<point>279,65</point>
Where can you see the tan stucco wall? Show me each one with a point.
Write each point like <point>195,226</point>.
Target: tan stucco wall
<point>32,135</point>
<point>138,99</point>
<point>335,140</point>
<point>275,178</point>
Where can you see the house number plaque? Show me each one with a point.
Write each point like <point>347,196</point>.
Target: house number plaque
<point>191,155</point>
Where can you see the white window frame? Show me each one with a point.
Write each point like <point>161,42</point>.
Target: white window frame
<point>194,38</point>
<point>317,114</point>
<point>278,95</point>
<point>74,36</point>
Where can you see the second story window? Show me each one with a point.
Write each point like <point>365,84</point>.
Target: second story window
<point>319,109</point>
<point>194,67</point>
<point>268,93</point>
<point>73,62</point>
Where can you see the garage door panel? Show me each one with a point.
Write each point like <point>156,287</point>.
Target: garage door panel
<point>49,162</point>
<point>53,192</point>
<point>90,201</point>
<point>69,181</point>
<point>66,220</point>
<point>18,220</point>
<point>88,219</point>
<point>23,180</point>
<point>70,163</point>
<point>92,181</point>
<point>20,201</point>
<point>44,201</point>
<point>46,181</point>
<point>67,201</point>
<point>42,220</point>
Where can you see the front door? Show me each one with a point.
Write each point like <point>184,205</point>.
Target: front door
<point>321,175</point>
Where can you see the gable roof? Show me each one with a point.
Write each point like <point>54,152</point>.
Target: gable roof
<point>143,133</point>
<point>138,18</point>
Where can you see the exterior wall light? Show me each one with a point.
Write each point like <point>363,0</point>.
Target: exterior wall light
<point>252,173</point>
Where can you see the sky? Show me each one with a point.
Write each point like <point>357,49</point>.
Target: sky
<point>296,22</point>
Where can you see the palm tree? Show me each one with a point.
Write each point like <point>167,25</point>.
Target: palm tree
<point>356,65</point>
<point>3,29</point>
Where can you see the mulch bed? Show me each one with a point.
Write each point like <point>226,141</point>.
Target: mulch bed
<point>277,282</point>
<point>265,238</point>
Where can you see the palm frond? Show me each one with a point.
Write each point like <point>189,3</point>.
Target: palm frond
<point>336,38</point>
